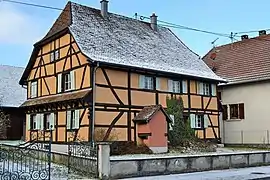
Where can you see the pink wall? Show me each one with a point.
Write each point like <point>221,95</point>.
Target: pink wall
<point>158,128</point>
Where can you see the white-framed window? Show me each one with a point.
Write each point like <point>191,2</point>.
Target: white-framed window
<point>172,123</point>
<point>49,121</point>
<point>199,121</point>
<point>146,82</point>
<point>73,119</point>
<point>34,122</point>
<point>206,89</point>
<point>54,55</point>
<point>176,86</point>
<point>66,81</point>
<point>33,89</point>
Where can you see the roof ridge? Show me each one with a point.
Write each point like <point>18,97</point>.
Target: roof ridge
<point>244,41</point>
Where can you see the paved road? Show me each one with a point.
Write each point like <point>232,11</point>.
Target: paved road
<point>232,174</point>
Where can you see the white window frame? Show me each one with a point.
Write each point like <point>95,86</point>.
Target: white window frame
<point>199,121</point>
<point>33,89</point>
<point>47,123</point>
<point>73,118</point>
<point>55,55</point>
<point>176,86</point>
<point>67,82</point>
<point>206,89</point>
<point>34,121</point>
<point>146,82</point>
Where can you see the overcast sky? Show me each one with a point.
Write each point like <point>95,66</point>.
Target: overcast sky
<point>21,26</point>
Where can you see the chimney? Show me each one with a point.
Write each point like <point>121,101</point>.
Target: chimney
<point>243,37</point>
<point>262,32</point>
<point>154,22</point>
<point>104,8</point>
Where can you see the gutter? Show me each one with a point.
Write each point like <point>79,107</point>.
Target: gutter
<point>93,79</point>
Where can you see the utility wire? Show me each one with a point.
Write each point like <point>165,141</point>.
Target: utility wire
<point>164,23</point>
<point>33,5</point>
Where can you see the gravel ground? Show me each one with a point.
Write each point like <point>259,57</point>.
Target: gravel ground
<point>231,174</point>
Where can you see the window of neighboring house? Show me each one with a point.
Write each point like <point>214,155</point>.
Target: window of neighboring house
<point>237,111</point>
<point>224,112</point>
<point>73,118</point>
<point>234,111</point>
<point>54,55</point>
<point>66,81</point>
<point>34,122</point>
<point>33,89</point>
<point>146,82</point>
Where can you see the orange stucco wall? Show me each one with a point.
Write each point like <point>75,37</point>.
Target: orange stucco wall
<point>71,58</point>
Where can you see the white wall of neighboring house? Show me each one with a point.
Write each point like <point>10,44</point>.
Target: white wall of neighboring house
<point>255,127</point>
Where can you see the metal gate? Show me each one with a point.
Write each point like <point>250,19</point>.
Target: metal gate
<point>28,161</point>
<point>83,158</point>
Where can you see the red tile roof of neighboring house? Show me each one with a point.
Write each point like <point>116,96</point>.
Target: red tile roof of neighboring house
<point>247,60</point>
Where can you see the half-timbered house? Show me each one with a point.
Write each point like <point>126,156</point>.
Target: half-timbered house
<point>97,70</point>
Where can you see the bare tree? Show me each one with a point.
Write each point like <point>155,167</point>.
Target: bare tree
<point>4,121</point>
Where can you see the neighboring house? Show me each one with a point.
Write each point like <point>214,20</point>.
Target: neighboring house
<point>95,69</point>
<point>246,66</point>
<point>12,95</point>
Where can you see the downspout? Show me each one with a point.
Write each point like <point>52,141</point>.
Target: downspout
<point>93,102</point>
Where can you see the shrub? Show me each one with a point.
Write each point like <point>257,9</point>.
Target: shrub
<point>101,132</point>
<point>128,147</point>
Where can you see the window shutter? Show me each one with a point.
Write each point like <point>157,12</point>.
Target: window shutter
<point>205,121</point>
<point>213,89</point>
<point>52,56</point>
<point>72,78</point>
<point>172,117</point>
<point>57,54</point>
<point>225,112</point>
<point>77,119</point>
<point>59,83</point>
<point>157,83</point>
<point>68,119</point>
<point>198,87</point>
<point>141,81</point>
<point>170,85</point>
<point>28,121</point>
<point>41,121</point>
<point>241,111</point>
<point>52,117</point>
<point>192,120</point>
<point>184,86</point>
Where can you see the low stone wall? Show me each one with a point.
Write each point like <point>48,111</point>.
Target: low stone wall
<point>123,168</point>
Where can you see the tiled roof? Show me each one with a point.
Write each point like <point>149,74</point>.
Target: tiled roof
<point>124,41</point>
<point>57,98</point>
<point>11,93</point>
<point>148,112</point>
<point>244,61</point>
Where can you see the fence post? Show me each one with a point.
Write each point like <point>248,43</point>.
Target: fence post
<point>267,136</point>
<point>50,152</point>
<point>242,137</point>
<point>103,160</point>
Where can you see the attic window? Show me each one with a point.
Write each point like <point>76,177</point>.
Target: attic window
<point>33,89</point>
<point>54,55</point>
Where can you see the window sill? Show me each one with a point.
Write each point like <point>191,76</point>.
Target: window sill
<point>233,119</point>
